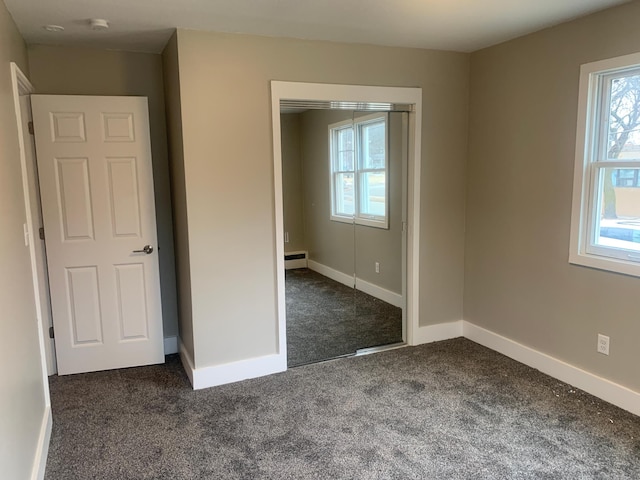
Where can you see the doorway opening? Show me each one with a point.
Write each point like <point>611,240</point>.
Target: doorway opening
<point>347,174</point>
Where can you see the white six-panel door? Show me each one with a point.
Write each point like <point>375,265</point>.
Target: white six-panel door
<point>96,185</point>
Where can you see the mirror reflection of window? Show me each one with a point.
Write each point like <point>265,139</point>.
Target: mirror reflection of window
<point>359,165</point>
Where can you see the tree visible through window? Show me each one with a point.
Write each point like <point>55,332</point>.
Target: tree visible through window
<point>358,159</point>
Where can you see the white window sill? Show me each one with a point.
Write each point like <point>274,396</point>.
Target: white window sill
<point>605,263</point>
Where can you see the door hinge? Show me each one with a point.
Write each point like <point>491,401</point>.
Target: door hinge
<point>51,335</point>
<point>30,126</point>
<point>41,231</point>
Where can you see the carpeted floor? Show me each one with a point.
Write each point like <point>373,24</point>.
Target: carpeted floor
<point>446,410</point>
<point>326,319</point>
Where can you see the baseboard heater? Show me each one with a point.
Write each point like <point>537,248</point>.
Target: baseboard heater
<point>295,260</point>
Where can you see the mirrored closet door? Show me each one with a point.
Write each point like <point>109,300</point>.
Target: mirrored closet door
<point>344,203</point>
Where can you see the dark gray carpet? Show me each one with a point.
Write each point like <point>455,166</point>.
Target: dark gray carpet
<point>447,410</point>
<point>326,319</point>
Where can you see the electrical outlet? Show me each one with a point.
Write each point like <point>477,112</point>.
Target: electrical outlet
<point>603,344</point>
<point>377,267</point>
<point>286,237</point>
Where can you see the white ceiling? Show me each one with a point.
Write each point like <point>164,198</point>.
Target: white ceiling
<point>145,25</point>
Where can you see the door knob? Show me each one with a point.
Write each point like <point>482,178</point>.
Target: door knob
<point>146,249</point>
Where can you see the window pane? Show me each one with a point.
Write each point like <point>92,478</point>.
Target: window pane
<point>372,194</point>
<point>372,143</point>
<point>345,139</point>
<point>344,200</point>
<point>345,161</point>
<point>619,215</point>
<point>624,119</point>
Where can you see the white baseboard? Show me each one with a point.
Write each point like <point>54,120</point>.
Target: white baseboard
<point>331,273</point>
<point>42,450</point>
<point>298,263</point>
<point>383,294</point>
<point>369,288</point>
<point>170,345</point>
<point>231,372</point>
<point>436,333</point>
<point>600,387</point>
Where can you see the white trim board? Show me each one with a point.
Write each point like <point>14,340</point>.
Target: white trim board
<point>216,375</point>
<point>602,388</point>
<point>298,262</point>
<point>437,333</point>
<point>331,273</point>
<point>353,93</point>
<point>369,288</point>
<point>42,450</point>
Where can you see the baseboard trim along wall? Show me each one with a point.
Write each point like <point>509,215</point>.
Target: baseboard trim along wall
<point>383,294</point>
<point>331,273</point>
<point>40,459</point>
<point>437,333</point>
<point>600,387</point>
<point>290,264</point>
<point>170,345</point>
<point>216,375</point>
<point>369,288</point>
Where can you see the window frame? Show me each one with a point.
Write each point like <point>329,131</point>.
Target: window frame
<point>590,164</point>
<point>358,171</point>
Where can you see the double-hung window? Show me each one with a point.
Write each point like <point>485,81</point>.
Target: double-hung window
<point>359,171</point>
<point>606,204</point>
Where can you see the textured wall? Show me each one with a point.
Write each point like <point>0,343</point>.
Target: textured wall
<point>522,133</point>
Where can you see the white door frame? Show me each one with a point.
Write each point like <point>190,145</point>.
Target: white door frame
<point>21,86</point>
<point>352,93</point>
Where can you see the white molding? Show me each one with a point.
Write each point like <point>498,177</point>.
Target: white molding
<point>358,93</point>
<point>602,388</point>
<point>171,345</point>
<point>383,294</point>
<point>437,333</point>
<point>42,449</point>
<point>216,375</point>
<point>297,263</point>
<point>237,371</point>
<point>331,273</point>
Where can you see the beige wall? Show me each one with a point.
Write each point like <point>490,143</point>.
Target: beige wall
<point>22,401</point>
<point>346,247</point>
<point>228,167</point>
<point>518,281</point>
<point>330,243</point>
<point>170,66</point>
<point>292,183</point>
<point>83,71</point>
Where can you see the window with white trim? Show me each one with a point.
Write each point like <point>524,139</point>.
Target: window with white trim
<point>359,171</point>
<point>606,208</point>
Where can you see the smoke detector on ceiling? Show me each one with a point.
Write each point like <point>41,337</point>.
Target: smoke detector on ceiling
<point>53,28</point>
<point>98,24</point>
